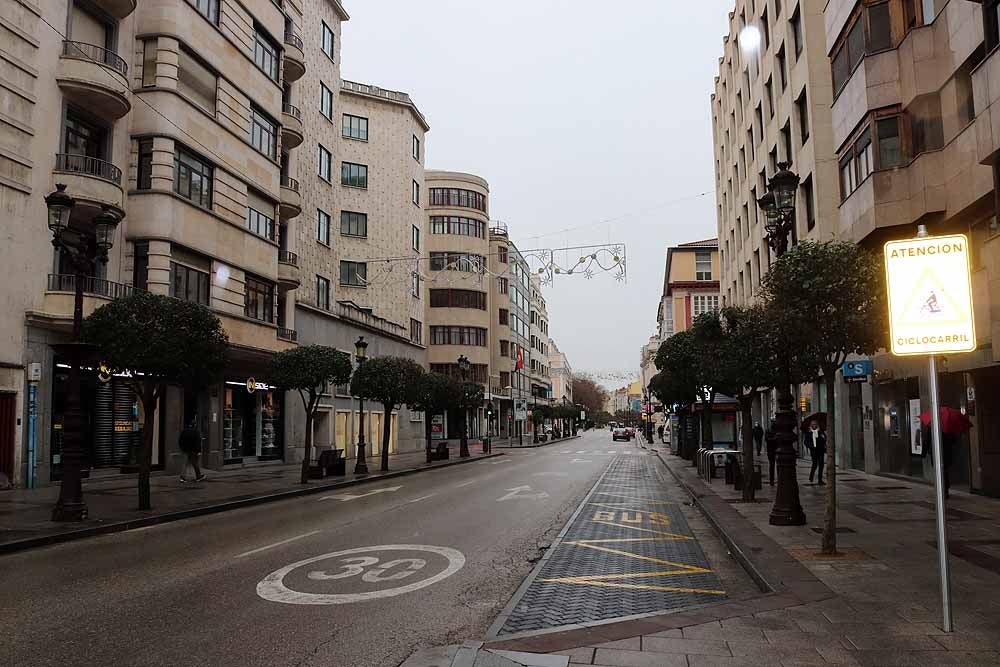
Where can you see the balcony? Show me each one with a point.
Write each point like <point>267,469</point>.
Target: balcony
<point>295,58</point>
<point>290,335</point>
<point>291,200</point>
<point>90,181</point>
<point>95,79</point>
<point>117,8</point>
<point>56,311</point>
<point>289,275</point>
<point>291,126</point>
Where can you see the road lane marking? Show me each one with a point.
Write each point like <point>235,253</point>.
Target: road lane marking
<point>565,451</point>
<point>344,497</point>
<point>581,451</point>
<point>471,481</point>
<point>580,461</point>
<point>516,494</point>
<point>417,500</point>
<point>550,474</point>
<point>277,544</point>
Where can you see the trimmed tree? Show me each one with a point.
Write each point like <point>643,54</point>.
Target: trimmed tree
<point>589,394</point>
<point>827,301</point>
<point>538,416</point>
<point>310,370</point>
<point>392,382</point>
<point>161,341</point>
<point>674,390</point>
<point>470,397</point>
<point>434,395</point>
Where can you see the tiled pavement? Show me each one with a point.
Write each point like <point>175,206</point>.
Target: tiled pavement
<point>628,551</point>
<point>25,514</point>
<point>881,607</point>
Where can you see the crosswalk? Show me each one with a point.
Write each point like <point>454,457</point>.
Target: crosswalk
<point>605,452</point>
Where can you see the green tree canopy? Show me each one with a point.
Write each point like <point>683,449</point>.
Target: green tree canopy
<point>158,340</point>
<point>391,381</point>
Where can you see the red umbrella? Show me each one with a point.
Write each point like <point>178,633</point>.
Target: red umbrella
<point>952,420</point>
<point>820,417</point>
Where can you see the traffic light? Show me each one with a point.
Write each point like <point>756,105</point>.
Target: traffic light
<point>489,410</point>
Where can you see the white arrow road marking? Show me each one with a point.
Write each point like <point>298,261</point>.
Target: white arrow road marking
<point>471,481</point>
<point>515,494</point>
<point>277,544</point>
<point>580,461</point>
<point>344,497</point>
<point>417,500</point>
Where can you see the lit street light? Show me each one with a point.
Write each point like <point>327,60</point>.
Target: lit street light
<point>361,465</point>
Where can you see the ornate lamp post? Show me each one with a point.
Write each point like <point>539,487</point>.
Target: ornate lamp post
<point>81,253</point>
<point>778,205</point>
<point>361,465</point>
<point>464,365</point>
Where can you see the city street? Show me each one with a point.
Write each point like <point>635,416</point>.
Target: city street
<point>229,589</point>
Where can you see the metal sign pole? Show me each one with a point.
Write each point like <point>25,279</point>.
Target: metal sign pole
<point>942,529</point>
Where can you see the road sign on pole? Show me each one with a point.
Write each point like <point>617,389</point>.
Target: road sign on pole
<point>930,312</point>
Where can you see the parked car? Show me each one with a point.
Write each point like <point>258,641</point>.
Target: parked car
<point>620,433</point>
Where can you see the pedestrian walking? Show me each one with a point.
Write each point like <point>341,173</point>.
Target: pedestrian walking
<point>659,432</point>
<point>772,445</point>
<point>190,444</point>
<point>758,436</point>
<point>815,442</point>
<point>949,441</point>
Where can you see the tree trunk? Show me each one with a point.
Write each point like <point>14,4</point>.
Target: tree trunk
<point>463,448</point>
<point>830,517</point>
<point>386,434</point>
<point>427,432</point>
<point>149,399</point>
<point>307,447</point>
<point>749,488</point>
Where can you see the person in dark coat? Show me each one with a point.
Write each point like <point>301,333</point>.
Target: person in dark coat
<point>758,436</point>
<point>772,445</point>
<point>190,444</point>
<point>815,441</point>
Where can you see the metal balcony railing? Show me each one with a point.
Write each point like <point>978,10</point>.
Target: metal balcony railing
<point>290,335</point>
<point>290,183</point>
<point>84,164</point>
<point>292,111</point>
<point>97,54</point>
<point>288,257</point>
<point>293,39</point>
<point>66,282</point>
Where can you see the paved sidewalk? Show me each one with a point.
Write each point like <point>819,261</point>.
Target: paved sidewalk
<point>25,513</point>
<point>879,604</point>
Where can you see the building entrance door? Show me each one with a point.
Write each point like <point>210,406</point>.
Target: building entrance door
<point>8,410</point>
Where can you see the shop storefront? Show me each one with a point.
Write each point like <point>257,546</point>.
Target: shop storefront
<point>252,422</point>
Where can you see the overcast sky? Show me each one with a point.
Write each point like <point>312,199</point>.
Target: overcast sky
<point>576,112</point>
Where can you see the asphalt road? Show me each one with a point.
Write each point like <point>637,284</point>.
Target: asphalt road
<point>191,592</point>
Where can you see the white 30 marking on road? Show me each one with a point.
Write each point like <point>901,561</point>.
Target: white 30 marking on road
<point>273,589</point>
<point>344,497</point>
<point>515,494</point>
<point>277,544</point>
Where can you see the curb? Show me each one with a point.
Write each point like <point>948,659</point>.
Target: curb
<point>541,444</point>
<point>170,517</point>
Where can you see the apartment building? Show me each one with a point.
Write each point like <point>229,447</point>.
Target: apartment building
<point>561,373</point>
<point>360,236</point>
<point>771,104</point>
<point>458,284</point>
<point>690,286</point>
<point>176,116</point>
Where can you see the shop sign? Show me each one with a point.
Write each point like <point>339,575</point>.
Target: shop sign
<point>930,295</point>
<point>104,373</point>
<point>251,384</point>
<point>437,427</point>
<point>916,446</point>
<point>857,371</point>
<point>520,409</point>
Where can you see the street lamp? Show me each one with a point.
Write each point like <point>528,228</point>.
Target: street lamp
<point>463,365</point>
<point>361,465</point>
<point>71,506</point>
<point>778,205</point>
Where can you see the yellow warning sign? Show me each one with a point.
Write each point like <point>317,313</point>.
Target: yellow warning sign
<point>930,295</point>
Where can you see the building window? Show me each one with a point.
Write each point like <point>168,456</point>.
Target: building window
<point>354,175</point>
<point>415,285</point>
<point>458,335</point>
<point>890,146</point>
<point>416,331</point>
<point>458,197</point>
<point>505,348</point>
<point>260,215</point>
<point>415,193</point>
<point>478,373</point>
<point>196,81</point>
<point>704,304</point>
<point>782,68</point>
<point>504,316</point>
<point>802,108</point>
<point>140,264</point>
<point>879,27</point>
<point>325,101</point>
<point>502,254</point>
<point>263,132</point>
<point>207,8</point>
<point>355,127</point>
<point>144,172</point>
<point>149,63</point>
<point>786,140</point>
<point>703,266</point>
<point>810,208</point>
<point>502,285</point>
<point>188,284</point>
<point>265,53</point>
<point>416,148</point>
<point>323,168</point>
<point>457,261</point>
<point>259,299</point>
<point>326,42</point>
<point>848,54</point>
<point>926,129</point>
<point>322,293</point>
<point>354,273</point>
<point>458,298</point>
<point>323,227</point>
<point>353,223</point>
<point>193,178</point>
<point>856,164</point>
<point>769,94</point>
<point>459,226</point>
<point>796,24</point>
<point>416,238</point>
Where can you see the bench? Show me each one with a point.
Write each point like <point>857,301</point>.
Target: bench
<point>439,453</point>
<point>331,462</point>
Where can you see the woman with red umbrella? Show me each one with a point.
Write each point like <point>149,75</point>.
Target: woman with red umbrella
<point>953,423</point>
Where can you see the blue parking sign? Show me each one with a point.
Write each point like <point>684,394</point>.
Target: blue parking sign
<point>857,371</point>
